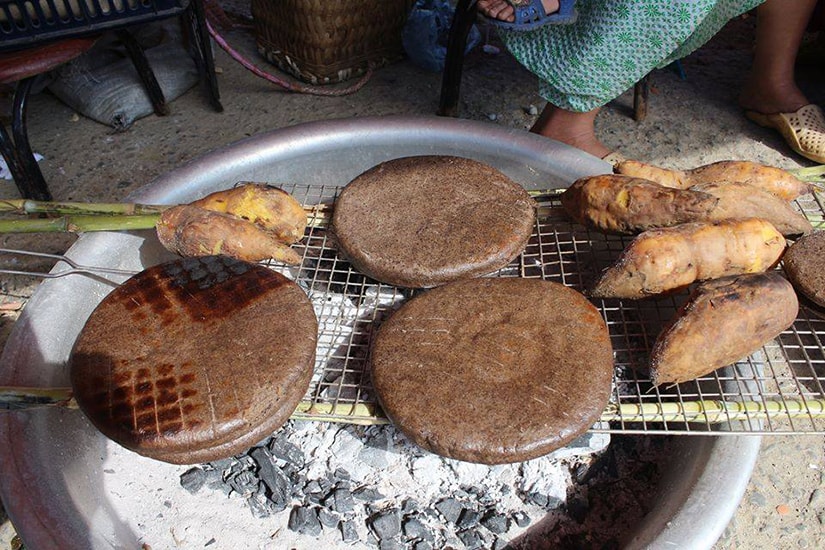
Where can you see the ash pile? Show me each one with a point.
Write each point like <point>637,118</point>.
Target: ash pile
<point>357,486</point>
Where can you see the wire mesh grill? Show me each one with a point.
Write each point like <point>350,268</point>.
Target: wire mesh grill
<point>778,389</point>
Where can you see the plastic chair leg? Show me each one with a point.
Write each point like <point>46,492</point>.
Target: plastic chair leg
<point>465,15</point>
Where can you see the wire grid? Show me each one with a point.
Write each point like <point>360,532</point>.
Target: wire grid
<point>778,389</point>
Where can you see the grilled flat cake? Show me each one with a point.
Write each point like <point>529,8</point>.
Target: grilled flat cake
<point>424,221</point>
<point>804,264</point>
<point>493,370</point>
<point>196,359</point>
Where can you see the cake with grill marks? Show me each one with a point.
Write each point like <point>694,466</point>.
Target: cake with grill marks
<point>493,370</point>
<point>196,359</point>
<point>424,221</point>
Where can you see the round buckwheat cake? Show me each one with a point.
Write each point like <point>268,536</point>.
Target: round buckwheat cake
<point>424,221</point>
<point>804,263</point>
<point>195,359</point>
<point>493,370</point>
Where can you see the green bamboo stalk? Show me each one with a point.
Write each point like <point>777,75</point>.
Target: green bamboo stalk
<point>79,223</point>
<point>13,398</point>
<point>25,206</point>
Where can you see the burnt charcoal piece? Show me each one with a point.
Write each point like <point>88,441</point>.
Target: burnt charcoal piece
<point>285,450</point>
<point>521,519</point>
<point>496,523</point>
<point>450,508</point>
<point>386,525</point>
<point>279,489</point>
<point>414,529</point>
<point>340,500</point>
<point>193,479</point>
<point>469,518</point>
<point>327,518</point>
<point>471,539</point>
<point>348,531</point>
<point>304,520</point>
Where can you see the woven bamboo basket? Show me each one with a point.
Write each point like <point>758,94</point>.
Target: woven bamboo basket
<point>324,41</point>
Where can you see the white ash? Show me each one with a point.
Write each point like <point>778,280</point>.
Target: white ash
<point>355,485</point>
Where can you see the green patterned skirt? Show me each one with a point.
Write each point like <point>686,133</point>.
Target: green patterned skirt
<point>614,43</point>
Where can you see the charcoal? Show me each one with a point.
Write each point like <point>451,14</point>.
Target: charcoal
<point>244,482</point>
<point>193,480</point>
<point>283,449</point>
<point>348,531</point>
<point>327,518</point>
<point>499,544</point>
<point>471,539</point>
<point>468,518</point>
<point>261,506</point>
<point>410,505</point>
<point>368,494</point>
<point>277,483</point>
<point>341,474</point>
<point>450,508</point>
<point>414,528</point>
<point>340,500</point>
<point>387,524</point>
<point>423,545</point>
<point>304,520</point>
<point>521,518</point>
<point>496,523</point>
<point>390,544</point>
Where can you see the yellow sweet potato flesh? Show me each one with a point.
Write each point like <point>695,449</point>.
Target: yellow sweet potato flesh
<point>676,179</point>
<point>192,231</point>
<point>740,200</point>
<point>626,205</point>
<point>724,321</point>
<point>661,260</point>
<point>268,207</point>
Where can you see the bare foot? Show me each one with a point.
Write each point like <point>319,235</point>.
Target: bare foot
<point>771,97</point>
<point>503,10</point>
<point>572,128</point>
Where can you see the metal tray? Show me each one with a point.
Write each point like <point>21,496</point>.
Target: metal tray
<point>51,479</point>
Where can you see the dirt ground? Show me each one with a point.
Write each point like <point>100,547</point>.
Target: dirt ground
<point>691,121</point>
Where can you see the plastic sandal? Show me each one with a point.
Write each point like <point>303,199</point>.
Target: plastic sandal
<point>803,130</point>
<point>530,15</point>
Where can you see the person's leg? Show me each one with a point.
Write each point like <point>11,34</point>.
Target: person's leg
<point>572,128</point>
<point>503,10</point>
<point>771,86</point>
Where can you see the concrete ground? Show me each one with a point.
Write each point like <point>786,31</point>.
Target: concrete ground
<point>691,121</point>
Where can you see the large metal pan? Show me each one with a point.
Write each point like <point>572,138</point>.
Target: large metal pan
<point>52,483</point>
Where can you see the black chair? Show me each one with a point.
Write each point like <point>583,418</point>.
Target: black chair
<point>466,12</point>
<point>38,35</point>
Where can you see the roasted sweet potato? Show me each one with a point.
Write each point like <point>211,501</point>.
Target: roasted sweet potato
<point>742,200</point>
<point>192,231</point>
<point>625,205</point>
<point>268,207</point>
<point>665,259</point>
<point>724,320</point>
<point>773,180</point>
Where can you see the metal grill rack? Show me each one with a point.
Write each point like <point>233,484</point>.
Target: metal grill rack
<point>779,389</point>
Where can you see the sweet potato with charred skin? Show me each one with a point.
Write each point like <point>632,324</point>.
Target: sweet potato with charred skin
<point>625,205</point>
<point>660,260</point>
<point>192,231</point>
<point>268,207</point>
<point>742,200</point>
<point>776,181</point>
<point>723,321</point>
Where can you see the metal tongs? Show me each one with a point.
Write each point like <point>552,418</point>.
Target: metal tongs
<point>74,267</point>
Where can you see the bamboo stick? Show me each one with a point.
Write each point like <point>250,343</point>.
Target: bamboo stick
<point>14,398</point>
<point>25,206</point>
<point>79,223</point>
